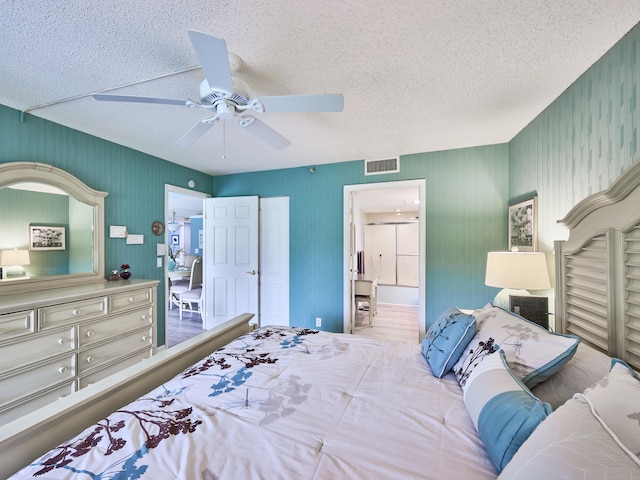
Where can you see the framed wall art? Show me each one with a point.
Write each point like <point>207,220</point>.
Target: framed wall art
<point>523,225</point>
<point>47,237</point>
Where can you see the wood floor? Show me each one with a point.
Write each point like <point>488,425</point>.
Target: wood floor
<point>181,330</point>
<point>392,322</point>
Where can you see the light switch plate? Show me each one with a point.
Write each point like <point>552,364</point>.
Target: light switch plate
<point>135,239</point>
<point>117,231</point>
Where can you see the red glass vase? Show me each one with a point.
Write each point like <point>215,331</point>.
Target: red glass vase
<point>125,275</point>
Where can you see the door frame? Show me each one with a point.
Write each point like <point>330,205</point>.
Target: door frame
<point>421,184</point>
<point>180,191</point>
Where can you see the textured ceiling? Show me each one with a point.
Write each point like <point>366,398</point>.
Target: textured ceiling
<point>417,76</point>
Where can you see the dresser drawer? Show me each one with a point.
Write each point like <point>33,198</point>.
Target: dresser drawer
<point>93,377</point>
<point>17,324</point>
<point>73,312</point>
<point>32,350</point>
<point>101,330</point>
<point>135,298</point>
<point>24,406</point>
<point>37,379</point>
<point>97,356</point>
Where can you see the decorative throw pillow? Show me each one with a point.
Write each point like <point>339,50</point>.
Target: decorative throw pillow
<point>502,409</point>
<point>575,442</point>
<point>532,352</point>
<point>616,399</point>
<point>446,339</point>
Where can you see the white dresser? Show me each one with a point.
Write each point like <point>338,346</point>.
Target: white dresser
<point>55,342</point>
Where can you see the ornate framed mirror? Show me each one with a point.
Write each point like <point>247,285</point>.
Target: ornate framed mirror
<point>56,224</point>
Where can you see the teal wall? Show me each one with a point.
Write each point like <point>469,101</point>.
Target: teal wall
<point>135,183</point>
<point>582,142</point>
<point>196,227</point>
<point>466,204</point>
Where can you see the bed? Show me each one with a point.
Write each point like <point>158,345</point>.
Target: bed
<point>486,395</point>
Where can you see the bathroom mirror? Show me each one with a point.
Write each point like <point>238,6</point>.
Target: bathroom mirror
<point>55,222</point>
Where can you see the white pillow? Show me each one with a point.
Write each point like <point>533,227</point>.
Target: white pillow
<point>616,399</point>
<point>532,352</point>
<point>575,441</point>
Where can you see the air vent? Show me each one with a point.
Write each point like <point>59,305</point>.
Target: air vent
<point>384,165</point>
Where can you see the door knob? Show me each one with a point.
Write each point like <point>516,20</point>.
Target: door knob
<point>252,272</point>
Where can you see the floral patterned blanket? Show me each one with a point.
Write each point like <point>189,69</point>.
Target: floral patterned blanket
<point>285,403</point>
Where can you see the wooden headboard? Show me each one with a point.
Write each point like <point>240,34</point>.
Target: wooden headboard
<point>598,269</point>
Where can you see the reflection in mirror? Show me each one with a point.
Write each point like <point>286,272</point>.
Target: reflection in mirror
<point>57,220</point>
<point>26,208</point>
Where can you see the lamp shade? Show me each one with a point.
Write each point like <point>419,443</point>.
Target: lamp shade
<point>14,257</point>
<point>521,270</point>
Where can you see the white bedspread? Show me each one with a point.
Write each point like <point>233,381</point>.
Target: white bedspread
<point>291,404</point>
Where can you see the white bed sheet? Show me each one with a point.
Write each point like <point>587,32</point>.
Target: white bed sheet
<point>290,403</point>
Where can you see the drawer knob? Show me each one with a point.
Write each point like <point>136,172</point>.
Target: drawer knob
<point>62,341</point>
<point>62,370</point>
<point>89,333</point>
<point>132,299</point>
<point>145,338</point>
<point>90,359</point>
<point>76,312</point>
<point>143,317</point>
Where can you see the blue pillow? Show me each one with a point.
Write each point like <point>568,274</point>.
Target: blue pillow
<point>446,339</point>
<point>501,407</point>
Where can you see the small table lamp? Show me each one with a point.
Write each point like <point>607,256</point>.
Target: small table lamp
<point>14,258</point>
<point>515,273</point>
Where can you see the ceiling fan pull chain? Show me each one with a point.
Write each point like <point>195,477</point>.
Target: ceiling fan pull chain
<point>224,139</point>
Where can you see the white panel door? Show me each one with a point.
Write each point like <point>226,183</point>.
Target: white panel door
<point>230,258</point>
<point>274,261</point>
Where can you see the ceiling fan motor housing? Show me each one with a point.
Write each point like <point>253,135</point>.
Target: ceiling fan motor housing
<point>209,96</point>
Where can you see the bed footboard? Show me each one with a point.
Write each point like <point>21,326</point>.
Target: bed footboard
<point>34,434</point>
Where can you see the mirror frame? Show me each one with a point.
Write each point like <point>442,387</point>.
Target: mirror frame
<point>16,172</point>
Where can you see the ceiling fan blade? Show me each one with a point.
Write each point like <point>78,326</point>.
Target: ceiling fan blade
<point>105,97</point>
<point>333,102</point>
<point>263,131</point>
<point>214,59</point>
<point>195,132</point>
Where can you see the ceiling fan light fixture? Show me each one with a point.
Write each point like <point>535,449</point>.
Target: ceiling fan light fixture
<point>224,110</point>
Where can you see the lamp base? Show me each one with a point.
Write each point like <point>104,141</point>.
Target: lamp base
<point>502,298</point>
<point>14,272</point>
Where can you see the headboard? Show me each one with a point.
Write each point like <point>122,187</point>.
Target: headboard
<point>598,269</point>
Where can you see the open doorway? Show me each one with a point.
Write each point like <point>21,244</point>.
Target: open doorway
<point>399,277</point>
<point>184,220</point>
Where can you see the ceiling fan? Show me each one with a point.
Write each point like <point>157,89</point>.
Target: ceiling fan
<point>218,95</point>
